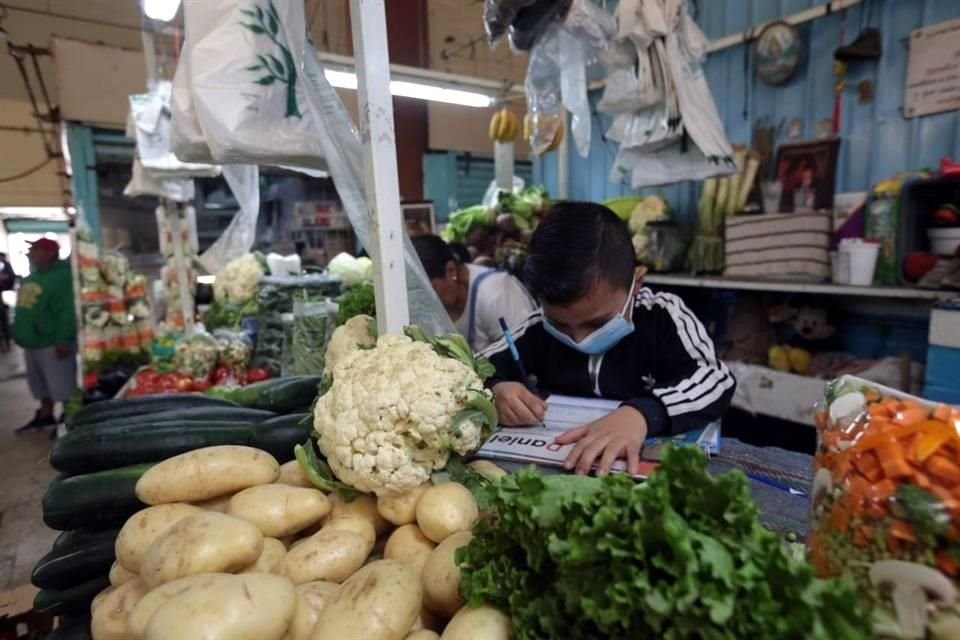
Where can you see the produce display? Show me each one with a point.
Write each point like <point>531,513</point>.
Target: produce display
<point>886,506</point>
<point>235,292</point>
<point>351,271</point>
<point>484,229</point>
<point>358,300</point>
<point>185,217</point>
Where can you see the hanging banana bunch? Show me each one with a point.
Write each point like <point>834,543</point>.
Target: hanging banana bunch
<point>557,123</point>
<point>503,126</point>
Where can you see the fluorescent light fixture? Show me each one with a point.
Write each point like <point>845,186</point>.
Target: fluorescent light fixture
<point>162,10</point>
<point>418,90</point>
<point>206,279</point>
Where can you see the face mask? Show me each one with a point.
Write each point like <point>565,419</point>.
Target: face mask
<point>601,340</point>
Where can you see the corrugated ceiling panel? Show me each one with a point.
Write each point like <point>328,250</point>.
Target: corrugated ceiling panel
<point>877,141</point>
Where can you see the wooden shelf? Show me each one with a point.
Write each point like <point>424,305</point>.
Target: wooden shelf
<point>719,282</point>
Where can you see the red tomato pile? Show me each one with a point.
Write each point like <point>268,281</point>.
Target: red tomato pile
<point>149,381</point>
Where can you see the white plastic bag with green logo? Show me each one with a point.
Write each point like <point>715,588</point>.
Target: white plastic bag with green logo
<point>245,86</point>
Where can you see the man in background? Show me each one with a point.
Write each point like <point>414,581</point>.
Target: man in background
<point>45,326</point>
<point>7,280</point>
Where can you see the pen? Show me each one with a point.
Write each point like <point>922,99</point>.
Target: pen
<point>508,337</point>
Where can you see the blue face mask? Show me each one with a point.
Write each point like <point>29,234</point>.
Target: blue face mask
<point>601,340</point>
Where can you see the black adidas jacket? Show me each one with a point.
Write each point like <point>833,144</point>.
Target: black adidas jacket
<point>667,368</point>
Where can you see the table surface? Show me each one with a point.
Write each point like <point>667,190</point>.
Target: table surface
<point>779,482</point>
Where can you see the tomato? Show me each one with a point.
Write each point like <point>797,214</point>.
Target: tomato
<point>147,376</point>
<point>90,380</point>
<point>167,383</point>
<point>201,384</point>
<point>184,385</point>
<point>221,374</point>
<point>257,374</point>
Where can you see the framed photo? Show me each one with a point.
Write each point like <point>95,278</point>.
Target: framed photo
<point>777,52</point>
<point>809,168</point>
<point>419,218</point>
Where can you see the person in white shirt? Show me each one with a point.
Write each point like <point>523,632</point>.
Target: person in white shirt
<point>475,297</point>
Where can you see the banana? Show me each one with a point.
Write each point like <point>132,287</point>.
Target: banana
<point>494,125</point>
<point>527,127</point>
<point>503,126</point>
<point>557,137</point>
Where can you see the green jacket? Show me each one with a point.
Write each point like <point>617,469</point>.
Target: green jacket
<point>45,316</point>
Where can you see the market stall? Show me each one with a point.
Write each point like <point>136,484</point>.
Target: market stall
<point>344,496</point>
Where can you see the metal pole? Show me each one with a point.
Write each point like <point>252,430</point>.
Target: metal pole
<point>380,161</point>
<point>503,165</point>
<point>563,161</point>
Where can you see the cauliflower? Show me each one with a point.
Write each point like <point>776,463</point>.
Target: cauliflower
<point>359,332</point>
<point>395,413</point>
<point>352,271</point>
<point>647,210</point>
<point>237,282</point>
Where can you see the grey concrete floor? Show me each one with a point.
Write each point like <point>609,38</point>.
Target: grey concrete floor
<point>24,475</point>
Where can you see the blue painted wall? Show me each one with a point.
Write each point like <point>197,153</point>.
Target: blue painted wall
<point>877,141</point>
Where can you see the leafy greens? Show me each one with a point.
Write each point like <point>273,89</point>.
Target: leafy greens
<point>681,556</point>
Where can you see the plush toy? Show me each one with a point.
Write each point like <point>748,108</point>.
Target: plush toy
<point>811,332</point>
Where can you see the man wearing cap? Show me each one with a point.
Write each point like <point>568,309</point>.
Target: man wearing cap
<point>45,326</point>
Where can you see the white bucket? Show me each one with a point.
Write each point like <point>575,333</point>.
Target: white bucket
<point>857,261</point>
<point>944,242</point>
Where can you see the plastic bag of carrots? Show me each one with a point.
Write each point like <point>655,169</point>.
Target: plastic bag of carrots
<point>886,505</point>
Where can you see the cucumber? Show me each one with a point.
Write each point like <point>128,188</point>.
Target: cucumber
<point>68,564</point>
<point>282,395</point>
<point>72,627</point>
<point>88,450</point>
<point>104,499</point>
<point>78,538</point>
<point>76,599</point>
<point>278,436</point>
<point>214,414</point>
<point>142,405</point>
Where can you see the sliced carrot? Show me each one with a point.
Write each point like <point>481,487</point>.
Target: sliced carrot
<point>867,464</point>
<point>876,510</point>
<point>879,410</point>
<point>859,539</point>
<point>922,480</point>
<point>943,468</point>
<point>867,532</point>
<point>941,412</point>
<point>822,420</point>
<point>818,555</point>
<point>880,492</point>
<point>902,531</point>
<point>839,518</point>
<point>947,564</point>
<point>910,403</point>
<point>928,444</point>
<point>911,415</point>
<point>892,460</point>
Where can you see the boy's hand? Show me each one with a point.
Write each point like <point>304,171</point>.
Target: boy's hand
<point>618,434</point>
<point>516,406</point>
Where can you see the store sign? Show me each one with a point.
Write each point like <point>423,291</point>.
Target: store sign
<point>933,70</point>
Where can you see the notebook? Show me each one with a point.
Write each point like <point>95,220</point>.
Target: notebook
<point>537,444</point>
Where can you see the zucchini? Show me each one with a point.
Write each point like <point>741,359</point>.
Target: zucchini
<point>213,414</point>
<point>278,436</point>
<point>104,499</point>
<point>69,563</point>
<point>73,627</point>
<point>77,538</point>
<point>282,395</point>
<point>142,405</point>
<point>76,599</point>
<point>88,450</point>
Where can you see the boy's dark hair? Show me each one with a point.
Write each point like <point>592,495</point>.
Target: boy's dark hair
<point>434,254</point>
<point>577,244</point>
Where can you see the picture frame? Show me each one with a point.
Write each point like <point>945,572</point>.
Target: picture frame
<point>777,53</point>
<point>419,218</point>
<point>812,163</point>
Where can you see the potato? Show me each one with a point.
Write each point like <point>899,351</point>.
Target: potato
<point>304,620</point>
<point>487,469</point>
<point>145,526</point>
<point>206,542</point>
<point>441,576</point>
<point>427,620</point>
<point>119,575</point>
<point>482,623</point>
<point>318,593</point>
<point>354,522</point>
<point>292,475</point>
<point>328,555</point>
<point>272,555</point>
<point>280,510</point>
<point>252,606</point>
<point>408,544</point>
<point>109,621</point>
<point>206,473</point>
<point>148,604</point>
<point>378,602</point>
<point>219,504</point>
<point>364,505</point>
<point>445,509</point>
<point>422,634</point>
<point>401,509</point>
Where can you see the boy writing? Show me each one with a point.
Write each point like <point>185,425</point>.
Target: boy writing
<point>600,333</point>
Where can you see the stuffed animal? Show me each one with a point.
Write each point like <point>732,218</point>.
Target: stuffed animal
<point>811,332</point>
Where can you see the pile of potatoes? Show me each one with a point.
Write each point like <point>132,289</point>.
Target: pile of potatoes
<point>236,547</point>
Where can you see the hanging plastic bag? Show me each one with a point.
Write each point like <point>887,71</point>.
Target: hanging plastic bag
<point>196,354</point>
<point>142,183</point>
<point>246,85</point>
<point>492,195</point>
<point>238,237</point>
<point>313,324</point>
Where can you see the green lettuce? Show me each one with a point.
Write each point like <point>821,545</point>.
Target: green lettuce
<point>680,556</point>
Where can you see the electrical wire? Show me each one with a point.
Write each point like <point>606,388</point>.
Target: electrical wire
<point>28,172</point>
